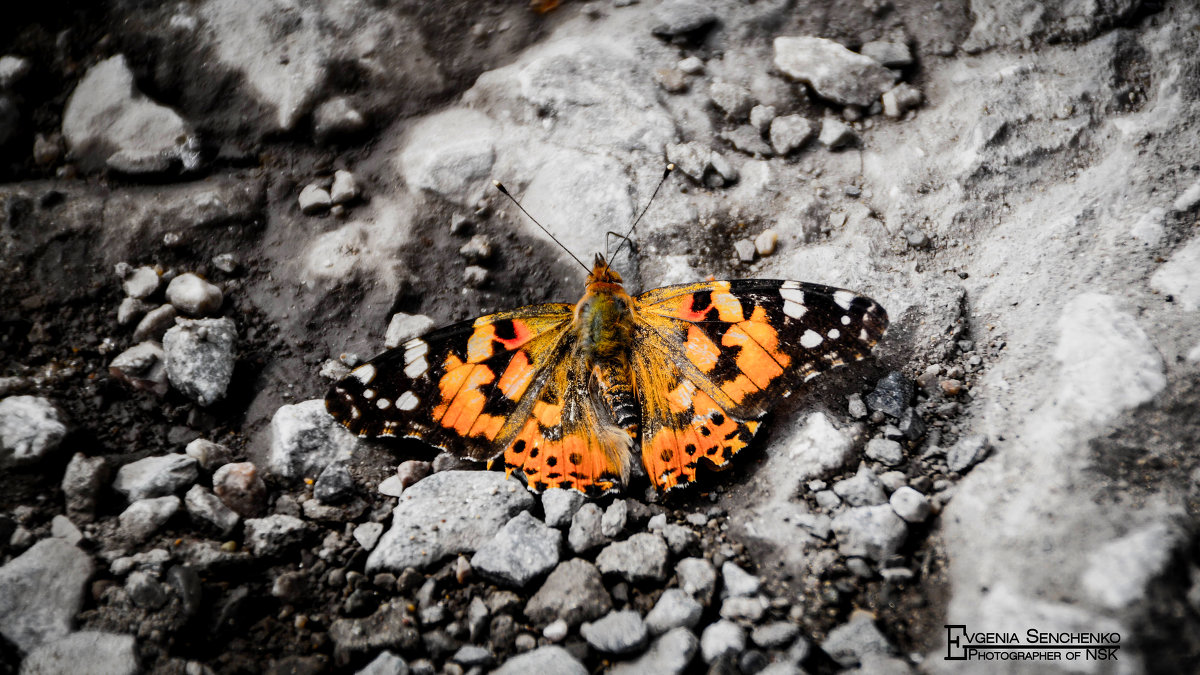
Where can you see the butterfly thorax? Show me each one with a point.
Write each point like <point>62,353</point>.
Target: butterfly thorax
<point>604,325</point>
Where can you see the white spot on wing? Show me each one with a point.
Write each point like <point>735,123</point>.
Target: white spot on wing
<point>790,284</point>
<point>415,349</point>
<point>843,299</point>
<point>407,401</point>
<point>364,373</point>
<point>793,309</point>
<point>845,319</point>
<point>415,368</point>
<point>383,404</point>
<point>834,333</point>
<point>810,339</point>
<point>368,394</point>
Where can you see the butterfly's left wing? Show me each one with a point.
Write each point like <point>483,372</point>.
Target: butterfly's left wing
<point>713,357</point>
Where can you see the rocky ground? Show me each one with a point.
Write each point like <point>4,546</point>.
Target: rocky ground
<point>211,209</point>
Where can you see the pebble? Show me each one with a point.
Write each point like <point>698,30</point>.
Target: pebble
<point>334,485</point>
<point>41,591</point>
<point>681,17</point>
<point>670,654</point>
<point>477,249</point>
<point>143,367</point>
<point>745,250</point>
<point>911,426</point>
<point>547,660</point>
<point>345,187</point>
<point>31,428</point>
<point>205,507</point>
<point>305,440</point>
<point>744,609</point>
<point>12,70</point>
<point>144,517</point>
<point>337,117</point>
<point>392,626</point>
<point>574,592</point>
<point>698,578</point>
<point>641,558</point>
<point>472,656</point>
<point>775,635</point>
<point>691,65</point>
<point>155,324</point>
<point>621,632</point>
<point>834,72</point>
<point>737,581</point>
<point>560,506</point>
<point>193,295</point>
<point>951,387</point>
<point>850,642</point>
<point>888,453</point>
<point>156,476</point>
<point>82,481</point>
<point>524,549</point>
<point>910,505</point>
<point>314,199</point>
<point>747,139</point>
<point>891,395</point>
<point>675,608</point>
<point>680,539</point>
<point>130,310</point>
<point>671,80</point>
<point>899,100</point>
<point>61,527</point>
<point>210,455</point>
<point>386,663</point>
<point>692,159</point>
<point>726,173</point>
<point>145,591</point>
<point>967,452</point>
<point>766,242</point>
<point>273,534</point>
<point>226,262</point>
<point>863,489</point>
<point>873,532</point>
<point>142,282</point>
<point>200,357</point>
<point>890,54</point>
<point>721,638</point>
<point>367,534</point>
<point>404,327</point>
<point>241,488</point>
<point>613,521</point>
<point>445,514</point>
<point>761,117</point>
<point>556,631</point>
<point>108,653</point>
<point>586,530</point>
<point>475,276</point>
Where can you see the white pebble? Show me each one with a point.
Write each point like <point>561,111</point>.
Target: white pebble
<point>314,199</point>
<point>345,187</point>
<point>192,295</point>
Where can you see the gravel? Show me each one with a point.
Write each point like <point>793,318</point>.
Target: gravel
<point>620,632</point>
<point>305,440</point>
<point>587,529</point>
<point>108,653</point>
<point>273,534</point>
<point>910,505</point>
<point>888,453</point>
<point>560,506</point>
<point>192,295</point>
<point>874,532</point>
<point>573,592</point>
<point>82,482</point>
<point>737,581</point>
<point>967,452</point>
<point>670,654</point>
<point>523,550</point>
<point>207,509</point>
<point>240,487</point>
<point>31,428</point>
<point>863,489</point>
<point>144,517</point>
<point>546,660</point>
<point>721,638</point>
<point>834,72</point>
<point>41,591</point>
<point>641,558</point>
<point>675,608</point>
<point>156,476</point>
<point>850,642</point>
<point>200,355</point>
<point>698,578</point>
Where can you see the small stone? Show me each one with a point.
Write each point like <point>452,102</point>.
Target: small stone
<point>12,70</point>
<point>671,80</point>
<point>144,517</point>
<point>748,140</point>
<point>892,394</point>
<point>392,486</point>
<point>156,476</point>
<point>851,641</point>
<point>911,426</point>
<point>41,592</point>
<point>314,199</point>
<point>547,660</point>
<point>890,54</point>
<point>834,72</point>
<point>641,558</point>
<point>721,638</point>
<point>951,387</point>
<point>692,159</point>
<point>200,357</point>
<point>226,262</point>
<point>81,484</point>
<point>680,539</point>
<point>477,249</point>
<point>524,549</point>
<point>698,578</point>
<point>472,656</point>
<point>392,626</point>
<point>210,455</point>
<point>766,242</point>
<point>744,609</point>
<point>334,485</point>
<point>613,521</point>
<point>155,324</point>
<point>732,99</point>
<point>142,366</point>
<point>345,187</point>
<point>738,582</point>
<point>863,489</point>
<point>240,487</point>
<point>873,532</point>
<point>725,172</point>
<point>888,453</point>
<point>967,452</point>
<point>61,527</point>
<point>745,250</point>
<point>620,632</point>
<point>145,591</point>
<point>205,507</point>
<point>367,534</point>
<point>475,276</point>
<point>761,116</point>
<point>194,296</point>
<point>910,505</point>
<point>586,530</point>
<point>573,592</point>
<point>404,327</point>
<point>131,309</point>
<point>691,65</point>
<point>560,506</point>
<point>31,429</point>
<point>386,663</point>
<point>142,283</point>
<point>670,654</point>
<point>273,534</point>
<point>836,134</point>
<point>305,440</point>
<point>675,608</point>
<point>900,99</point>
<point>682,17</point>
<point>337,117</point>
<point>775,635</point>
<point>107,653</point>
<point>556,631</point>
<point>827,499</point>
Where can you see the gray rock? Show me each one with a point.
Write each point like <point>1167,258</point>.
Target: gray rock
<point>107,116</point>
<point>62,528</point>
<point>850,642</point>
<point>449,152</point>
<point>721,638</point>
<point>524,549</point>
<point>560,506</point>
<point>478,249</point>
<point>670,654</point>
<point>156,476</point>
<point>144,517</point>
<point>386,663</point>
<point>899,100</point>
<point>680,17</point>
<point>305,440</point>
<point>836,134</point>
<point>12,70</point>
<point>620,632</point>
<point>791,132</point>
<point>239,486</point>
<point>145,591</point>
<point>30,429</point>
<point>679,538</point>
<point>108,653</point>
<point>131,309</point>
<point>675,608</point>
<point>143,366</point>
<point>475,276</point>
<point>732,99</point>
<point>273,534</point>
<point>834,72</point>
<point>910,505</point>
<point>967,452</point>
<point>142,282</point>
<point>613,521</point>
<point>888,453</point>
<point>725,172</point>
<point>692,159</point>
<point>586,530</point>
<point>392,626</point>
<point>314,199</point>
<point>81,484</point>
<point>41,591</point>
<point>891,395</point>
<point>193,295</point>
<point>404,327</point>
<point>210,455</point>
<point>874,532</point>
<point>447,513</point>
<point>761,117</point>
<point>337,117</point>
<point>698,578</point>
<point>827,500</point>
<point>334,485</point>
<point>200,357</point>
<point>747,139</point>
<point>738,582</point>
<point>744,609</point>
<point>547,660</point>
<point>367,534</point>
<point>205,507</point>
<point>573,592</point>
<point>155,324</point>
<point>775,635</point>
<point>472,656</point>
<point>862,489</point>
<point>890,54</point>
<point>641,558</point>
<point>345,187</point>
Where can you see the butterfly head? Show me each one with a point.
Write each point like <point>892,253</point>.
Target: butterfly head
<point>602,273</point>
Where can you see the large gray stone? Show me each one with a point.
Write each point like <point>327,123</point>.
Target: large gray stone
<point>447,513</point>
<point>30,429</point>
<point>641,558</point>
<point>834,72</point>
<point>305,440</point>
<point>156,476</point>
<point>524,549</point>
<point>873,532</point>
<point>574,592</point>
<point>200,357</point>
<point>617,633</point>
<point>41,591</point>
<point>90,651</point>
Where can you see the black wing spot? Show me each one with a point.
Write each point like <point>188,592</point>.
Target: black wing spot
<point>733,434</point>
<point>519,447</point>
<point>690,449</point>
<point>574,458</point>
<point>551,461</point>
<point>718,419</point>
<point>505,330</point>
<point>705,431</point>
<point>726,453</point>
<point>666,455</point>
<point>566,485</point>
<point>533,453</point>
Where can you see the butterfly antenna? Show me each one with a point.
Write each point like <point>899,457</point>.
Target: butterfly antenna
<point>625,239</point>
<point>504,191</point>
